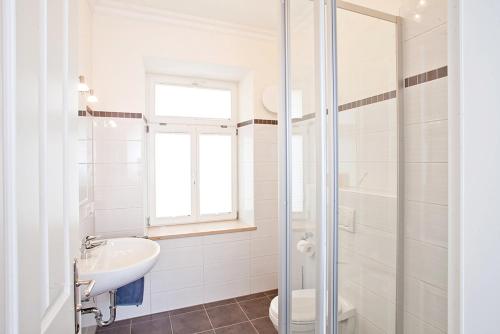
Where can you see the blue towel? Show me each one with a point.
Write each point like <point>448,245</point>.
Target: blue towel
<point>130,294</point>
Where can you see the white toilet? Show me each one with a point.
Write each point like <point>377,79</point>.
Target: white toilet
<point>304,314</point>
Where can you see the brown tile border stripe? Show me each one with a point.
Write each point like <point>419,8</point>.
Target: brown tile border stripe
<point>421,78</point>
<point>369,100</point>
<point>258,121</point>
<point>96,113</point>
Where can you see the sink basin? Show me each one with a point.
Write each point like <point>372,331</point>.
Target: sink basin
<point>118,262</point>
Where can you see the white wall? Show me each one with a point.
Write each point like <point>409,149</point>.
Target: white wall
<point>426,169</point>
<point>122,45</point>
<point>194,270</point>
<point>479,164</point>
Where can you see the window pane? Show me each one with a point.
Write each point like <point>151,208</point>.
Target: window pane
<point>183,101</point>
<point>297,173</point>
<point>215,174</point>
<point>173,174</point>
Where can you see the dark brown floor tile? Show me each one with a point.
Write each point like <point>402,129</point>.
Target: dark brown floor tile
<point>256,308</point>
<point>242,328</point>
<point>226,315</point>
<point>150,317</point>
<point>114,330</point>
<point>157,326</point>
<point>192,322</point>
<point>187,309</point>
<point>117,327</point>
<point>220,303</point>
<point>264,326</point>
<point>252,296</point>
<point>272,293</point>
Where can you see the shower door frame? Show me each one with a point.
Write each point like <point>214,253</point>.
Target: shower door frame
<point>327,99</point>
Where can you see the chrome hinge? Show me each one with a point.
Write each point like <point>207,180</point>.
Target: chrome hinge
<point>147,128</point>
<point>236,131</point>
<point>148,221</point>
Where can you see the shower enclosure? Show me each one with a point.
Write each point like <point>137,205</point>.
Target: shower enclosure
<point>340,172</point>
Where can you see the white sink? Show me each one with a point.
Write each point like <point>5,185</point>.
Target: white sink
<point>118,262</point>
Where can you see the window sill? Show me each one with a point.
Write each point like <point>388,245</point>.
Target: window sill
<point>199,229</point>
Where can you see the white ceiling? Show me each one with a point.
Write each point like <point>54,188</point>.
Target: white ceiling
<point>260,14</point>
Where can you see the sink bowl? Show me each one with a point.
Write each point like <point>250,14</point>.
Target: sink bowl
<point>118,262</point>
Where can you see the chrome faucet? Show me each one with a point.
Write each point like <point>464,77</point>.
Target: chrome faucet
<point>90,242</point>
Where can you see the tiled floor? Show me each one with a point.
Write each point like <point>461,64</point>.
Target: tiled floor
<point>242,315</point>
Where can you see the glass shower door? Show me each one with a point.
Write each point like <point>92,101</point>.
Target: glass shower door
<point>339,170</point>
<point>303,288</point>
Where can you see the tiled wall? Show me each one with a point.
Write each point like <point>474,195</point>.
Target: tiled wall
<point>368,181</point>
<point>426,156</point>
<point>193,270</point>
<point>86,176</point>
<point>119,176</point>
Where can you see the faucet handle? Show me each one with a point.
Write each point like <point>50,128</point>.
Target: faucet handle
<point>89,238</point>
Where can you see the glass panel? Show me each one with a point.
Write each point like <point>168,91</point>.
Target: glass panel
<point>215,168</point>
<point>173,174</point>
<point>184,101</point>
<point>303,79</point>
<point>367,170</point>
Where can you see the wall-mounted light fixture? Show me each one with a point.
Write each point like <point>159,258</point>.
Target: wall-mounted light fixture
<point>92,98</point>
<point>82,86</point>
<point>84,89</point>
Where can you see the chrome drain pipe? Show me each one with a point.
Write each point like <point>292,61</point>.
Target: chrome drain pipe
<point>98,314</point>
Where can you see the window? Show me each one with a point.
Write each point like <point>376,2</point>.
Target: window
<point>192,151</point>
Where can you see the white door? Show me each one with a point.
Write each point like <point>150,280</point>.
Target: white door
<point>40,185</point>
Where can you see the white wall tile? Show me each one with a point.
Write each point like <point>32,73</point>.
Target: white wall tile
<point>266,152</point>
<point>264,246</point>
<point>266,209</point>
<point>266,228</point>
<point>426,302</point>
<point>180,242</point>
<point>426,52</point>
<point>413,325</point>
<point>226,252</point>
<point>264,265</point>
<point>427,182</point>
<point>225,237</point>
<point>266,171</point>
<point>118,175</point>
<point>426,102</point>
<point>176,279</point>
<point>426,262</point>
<point>221,291</point>
<point>263,282</point>
<point>380,116</point>
<point>218,273</point>
<point>379,311</point>
<point>106,128</point>
<point>377,146</point>
<point>118,197</point>
<point>426,222</point>
<point>266,190</point>
<point>117,220</point>
<point>171,258</point>
<point>118,151</point>
<point>371,243</point>
<point>165,301</point>
<point>426,142</point>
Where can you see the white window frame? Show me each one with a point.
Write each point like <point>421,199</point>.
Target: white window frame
<point>195,127</point>
<point>155,79</point>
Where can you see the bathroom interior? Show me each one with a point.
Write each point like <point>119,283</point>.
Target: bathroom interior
<point>165,82</point>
